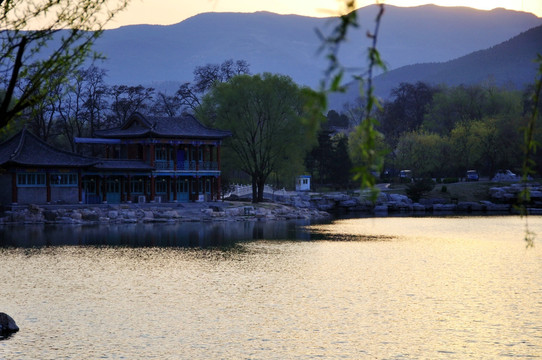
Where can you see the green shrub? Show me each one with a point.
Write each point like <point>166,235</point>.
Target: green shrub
<point>419,188</point>
<point>443,189</point>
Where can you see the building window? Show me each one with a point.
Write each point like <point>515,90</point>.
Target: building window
<point>160,154</point>
<point>137,186</point>
<point>63,179</point>
<point>31,179</point>
<point>161,186</point>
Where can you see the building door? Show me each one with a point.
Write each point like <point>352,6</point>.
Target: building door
<point>113,188</point>
<point>91,194</point>
<point>182,190</point>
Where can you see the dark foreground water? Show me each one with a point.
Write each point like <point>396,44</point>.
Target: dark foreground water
<point>389,288</point>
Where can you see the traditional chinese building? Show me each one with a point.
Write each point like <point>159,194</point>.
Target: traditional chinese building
<point>32,171</point>
<point>147,159</point>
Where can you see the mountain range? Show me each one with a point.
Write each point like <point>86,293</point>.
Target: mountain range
<point>509,64</point>
<point>165,56</point>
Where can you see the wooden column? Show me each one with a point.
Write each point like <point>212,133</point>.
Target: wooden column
<point>14,194</point>
<point>174,181</point>
<point>121,188</point>
<point>152,155</point>
<point>219,188</point>
<point>175,149</point>
<point>104,189</point>
<point>212,180</point>
<point>196,198</point>
<point>197,158</point>
<point>48,186</point>
<point>211,157</point>
<point>98,186</point>
<point>218,156</point>
<point>80,186</point>
<point>153,187</point>
<point>129,188</point>
<point>168,192</point>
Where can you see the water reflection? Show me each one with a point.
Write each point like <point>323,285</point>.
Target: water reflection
<point>435,288</point>
<point>203,235</point>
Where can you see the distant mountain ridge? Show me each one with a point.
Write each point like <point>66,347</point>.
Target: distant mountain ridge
<point>510,63</point>
<point>287,44</point>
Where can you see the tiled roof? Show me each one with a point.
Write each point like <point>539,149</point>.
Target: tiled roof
<point>27,149</point>
<point>185,126</point>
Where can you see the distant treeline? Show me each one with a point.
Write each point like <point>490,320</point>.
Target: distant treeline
<point>85,103</point>
<point>432,131</point>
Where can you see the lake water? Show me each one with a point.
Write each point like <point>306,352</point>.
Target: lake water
<point>371,288</point>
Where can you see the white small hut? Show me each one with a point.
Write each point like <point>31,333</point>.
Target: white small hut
<point>303,183</point>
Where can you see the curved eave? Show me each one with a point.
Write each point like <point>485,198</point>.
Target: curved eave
<point>123,136</point>
<point>218,136</point>
<point>153,134</point>
<point>47,165</point>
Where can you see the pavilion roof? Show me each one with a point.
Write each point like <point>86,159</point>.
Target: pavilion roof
<point>25,148</point>
<point>185,126</point>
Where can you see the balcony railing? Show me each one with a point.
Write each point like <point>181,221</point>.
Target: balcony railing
<point>163,165</point>
<point>186,165</point>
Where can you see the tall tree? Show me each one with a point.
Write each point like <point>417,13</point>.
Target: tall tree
<point>423,152</point>
<point>406,110</point>
<point>95,91</point>
<point>126,100</point>
<point>56,46</point>
<point>264,114</point>
<point>166,105</point>
<point>205,77</point>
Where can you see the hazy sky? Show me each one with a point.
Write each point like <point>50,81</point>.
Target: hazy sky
<point>173,11</point>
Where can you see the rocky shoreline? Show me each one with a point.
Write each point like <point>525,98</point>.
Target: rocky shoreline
<point>281,207</point>
<point>502,199</point>
<point>155,213</point>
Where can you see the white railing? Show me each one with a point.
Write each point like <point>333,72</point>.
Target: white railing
<point>244,190</point>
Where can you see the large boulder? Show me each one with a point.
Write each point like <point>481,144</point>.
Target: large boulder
<point>7,325</point>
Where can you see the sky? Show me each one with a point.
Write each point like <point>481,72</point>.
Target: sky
<point>166,12</point>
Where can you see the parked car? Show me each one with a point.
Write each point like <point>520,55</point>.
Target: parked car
<point>472,175</point>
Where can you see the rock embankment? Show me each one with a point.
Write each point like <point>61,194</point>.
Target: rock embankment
<point>282,207</point>
<point>501,199</point>
<point>134,213</point>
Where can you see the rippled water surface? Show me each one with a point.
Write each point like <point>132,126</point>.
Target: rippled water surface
<point>391,288</point>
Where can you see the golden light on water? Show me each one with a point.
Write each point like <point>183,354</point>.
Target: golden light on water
<point>392,288</point>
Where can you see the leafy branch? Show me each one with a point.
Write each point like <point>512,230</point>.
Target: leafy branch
<point>371,159</point>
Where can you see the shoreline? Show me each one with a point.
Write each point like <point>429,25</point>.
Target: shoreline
<point>234,211</point>
<point>156,213</point>
<point>290,206</point>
